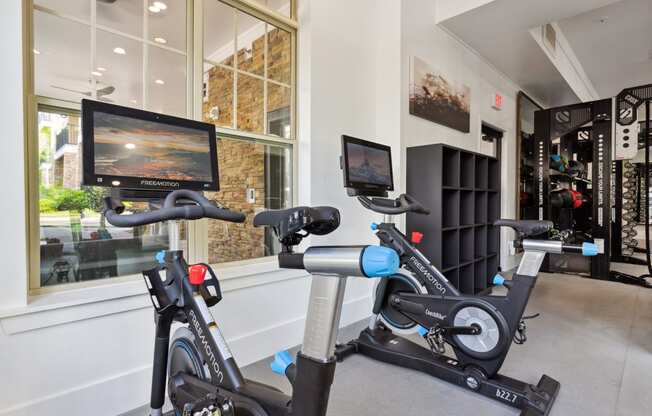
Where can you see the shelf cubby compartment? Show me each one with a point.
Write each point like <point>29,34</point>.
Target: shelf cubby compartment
<point>480,172</point>
<point>467,206</point>
<point>493,207</point>
<point>493,240</point>
<point>493,174</point>
<point>450,208</point>
<point>480,207</point>
<point>480,275</point>
<point>480,246</point>
<point>450,250</point>
<point>467,279</point>
<point>467,245</point>
<point>451,167</point>
<point>467,169</point>
<point>453,276</point>
<point>492,268</point>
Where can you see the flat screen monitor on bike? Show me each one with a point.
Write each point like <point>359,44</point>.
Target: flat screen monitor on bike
<point>367,167</point>
<point>133,149</point>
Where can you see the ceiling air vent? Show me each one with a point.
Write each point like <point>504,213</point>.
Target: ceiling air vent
<point>550,37</point>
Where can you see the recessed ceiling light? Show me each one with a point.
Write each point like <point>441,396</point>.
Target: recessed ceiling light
<point>96,73</point>
<point>160,40</point>
<point>160,5</point>
<point>36,52</point>
<point>159,82</point>
<point>101,69</point>
<point>130,146</point>
<point>154,9</point>
<point>119,51</point>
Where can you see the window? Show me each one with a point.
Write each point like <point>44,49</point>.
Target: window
<point>139,54</point>
<point>76,243</point>
<point>247,92</point>
<point>118,52</point>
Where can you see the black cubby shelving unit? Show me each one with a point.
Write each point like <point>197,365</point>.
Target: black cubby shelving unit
<point>462,190</point>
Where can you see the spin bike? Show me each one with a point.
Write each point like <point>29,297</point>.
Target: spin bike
<point>202,375</point>
<point>479,328</point>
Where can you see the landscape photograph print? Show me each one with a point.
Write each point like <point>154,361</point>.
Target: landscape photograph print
<point>437,98</point>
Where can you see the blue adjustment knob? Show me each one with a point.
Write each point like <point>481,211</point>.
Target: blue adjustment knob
<point>160,257</point>
<point>374,226</point>
<point>422,331</point>
<point>379,261</point>
<point>282,360</point>
<point>499,280</point>
<point>590,249</point>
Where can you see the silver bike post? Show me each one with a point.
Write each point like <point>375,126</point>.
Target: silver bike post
<point>329,267</point>
<point>323,319</point>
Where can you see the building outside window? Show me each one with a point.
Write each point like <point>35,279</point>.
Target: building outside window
<point>140,54</point>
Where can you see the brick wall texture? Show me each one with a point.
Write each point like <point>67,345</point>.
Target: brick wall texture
<point>242,164</point>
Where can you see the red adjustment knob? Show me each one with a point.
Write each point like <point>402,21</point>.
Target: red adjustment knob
<point>416,237</point>
<point>197,274</point>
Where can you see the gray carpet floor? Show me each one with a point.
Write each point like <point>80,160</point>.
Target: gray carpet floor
<point>594,337</point>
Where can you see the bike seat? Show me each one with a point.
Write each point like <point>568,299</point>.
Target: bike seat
<point>526,228</point>
<point>313,220</point>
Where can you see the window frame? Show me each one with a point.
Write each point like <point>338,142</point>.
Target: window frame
<point>197,230</point>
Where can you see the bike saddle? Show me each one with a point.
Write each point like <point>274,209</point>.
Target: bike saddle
<point>526,228</point>
<point>312,220</point>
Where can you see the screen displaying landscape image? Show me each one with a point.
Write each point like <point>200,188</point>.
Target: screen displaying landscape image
<point>145,149</point>
<point>368,165</point>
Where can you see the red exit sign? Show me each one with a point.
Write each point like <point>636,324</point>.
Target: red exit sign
<point>497,102</point>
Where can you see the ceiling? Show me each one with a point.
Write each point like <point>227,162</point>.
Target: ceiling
<point>499,31</point>
<point>614,44</point>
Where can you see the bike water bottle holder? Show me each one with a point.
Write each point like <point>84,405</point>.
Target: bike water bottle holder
<point>168,293</point>
<point>210,289</point>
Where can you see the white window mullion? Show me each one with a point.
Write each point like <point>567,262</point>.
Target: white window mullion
<point>93,58</point>
<point>145,88</point>
<point>234,122</point>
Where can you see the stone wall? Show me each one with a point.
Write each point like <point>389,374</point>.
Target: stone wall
<point>242,164</point>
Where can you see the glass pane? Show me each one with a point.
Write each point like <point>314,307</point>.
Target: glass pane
<point>166,89</point>
<point>76,242</point>
<point>250,104</point>
<point>279,61</point>
<point>278,110</point>
<point>219,32</point>
<point>168,27</point>
<point>120,61</point>
<point>80,9</point>
<point>53,38</point>
<point>123,16</point>
<point>280,6</point>
<point>251,44</point>
<point>252,177</point>
<point>218,96</point>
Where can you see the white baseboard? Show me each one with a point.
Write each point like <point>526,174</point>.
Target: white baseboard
<point>123,392</point>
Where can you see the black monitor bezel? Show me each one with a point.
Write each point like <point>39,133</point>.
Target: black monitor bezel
<point>364,188</point>
<point>90,178</point>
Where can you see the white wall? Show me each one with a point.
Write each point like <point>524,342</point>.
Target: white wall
<point>423,39</point>
<point>60,355</point>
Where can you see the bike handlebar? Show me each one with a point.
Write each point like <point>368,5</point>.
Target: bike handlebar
<point>404,203</point>
<point>204,208</point>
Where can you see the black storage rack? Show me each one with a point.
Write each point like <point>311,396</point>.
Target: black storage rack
<point>462,190</point>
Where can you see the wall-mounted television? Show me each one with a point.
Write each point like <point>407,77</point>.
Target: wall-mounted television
<point>127,148</point>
